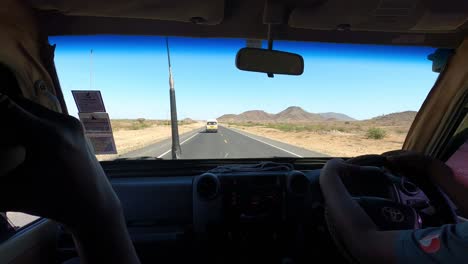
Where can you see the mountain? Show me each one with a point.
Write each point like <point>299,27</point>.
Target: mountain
<point>227,118</point>
<point>400,118</point>
<point>255,116</point>
<point>336,116</point>
<point>248,116</point>
<point>292,114</point>
<point>296,114</point>
<point>188,120</point>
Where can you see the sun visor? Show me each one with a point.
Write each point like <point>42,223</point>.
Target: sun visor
<point>383,16</point>
<point>23,54</point>
<point>209,12</point>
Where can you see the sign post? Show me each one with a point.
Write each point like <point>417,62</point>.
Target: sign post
<point>95,120</point>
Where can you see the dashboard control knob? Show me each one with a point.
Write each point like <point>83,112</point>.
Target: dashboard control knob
<point>208,186</point>
<point>298,183</point>
<point>409,188</point>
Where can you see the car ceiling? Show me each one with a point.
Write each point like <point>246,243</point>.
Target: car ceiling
<point>396,22</point>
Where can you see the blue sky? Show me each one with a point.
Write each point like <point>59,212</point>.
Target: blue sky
<point>361,81</point>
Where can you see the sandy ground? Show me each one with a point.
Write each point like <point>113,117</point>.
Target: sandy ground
<point>336,144</point>
<point>128,140</point>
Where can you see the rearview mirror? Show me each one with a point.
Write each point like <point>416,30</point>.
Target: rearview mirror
<point>269,61</point>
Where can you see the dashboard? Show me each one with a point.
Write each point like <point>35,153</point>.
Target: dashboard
<point>241,216</point>
<point>261,201</point>
<point>231,200</point>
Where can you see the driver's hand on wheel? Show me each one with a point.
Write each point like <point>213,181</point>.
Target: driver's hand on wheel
<point>51,172</point>
<point>367,243</point>
<point>420,168</point>
<point>417,167</point>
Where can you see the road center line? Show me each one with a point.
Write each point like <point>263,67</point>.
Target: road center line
<point>225,156</point>
<point>160,156</point>
<point>269,144</point>
<point>225,141</point>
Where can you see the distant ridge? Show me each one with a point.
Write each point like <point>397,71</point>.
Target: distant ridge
<point>399,118</point>
<point>292,114</point>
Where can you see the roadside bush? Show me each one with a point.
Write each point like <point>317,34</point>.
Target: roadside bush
<point>286,127</point>
<point>184,122</point>
<point>140,123</point>
<point>401,131</point>
<point>376,133</point>
<point>246,124</point>
<point>342,129</point>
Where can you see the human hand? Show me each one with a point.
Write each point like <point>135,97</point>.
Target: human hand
<point>417,167</point>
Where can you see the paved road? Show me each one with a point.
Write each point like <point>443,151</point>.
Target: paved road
<point>227,143</point>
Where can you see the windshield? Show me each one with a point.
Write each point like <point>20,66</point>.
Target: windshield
<point>350,100</point>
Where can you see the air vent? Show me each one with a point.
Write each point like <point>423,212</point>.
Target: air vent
<point>409,188</point>
<point>208,186</point>
<point>298,183</point>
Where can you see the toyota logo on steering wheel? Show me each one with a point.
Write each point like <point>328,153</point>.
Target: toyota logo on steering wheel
<point>393,214</point>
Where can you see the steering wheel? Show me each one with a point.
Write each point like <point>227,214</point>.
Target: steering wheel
<point>389,214</point>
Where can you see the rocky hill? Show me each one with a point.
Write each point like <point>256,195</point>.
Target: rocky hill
<point>292,114</point>
<point>395,119</point>
<point>330,116</point>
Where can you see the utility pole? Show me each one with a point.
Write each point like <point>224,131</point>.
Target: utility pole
<point>176,151</point>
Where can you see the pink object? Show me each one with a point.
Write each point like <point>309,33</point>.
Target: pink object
<point>458,162</point>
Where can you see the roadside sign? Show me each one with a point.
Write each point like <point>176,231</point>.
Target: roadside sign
<point>103,143</point>
<point>96,122</point>
<point>89,101</point>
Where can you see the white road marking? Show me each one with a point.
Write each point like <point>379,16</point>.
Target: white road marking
<point>225,156</point>
<point>160,156</point>
<point>269,144</point>
<point>225,141</point>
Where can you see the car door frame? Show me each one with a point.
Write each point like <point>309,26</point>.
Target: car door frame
<point>439,111</point>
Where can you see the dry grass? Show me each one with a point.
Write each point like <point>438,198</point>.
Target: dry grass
<point>141,123</point>
<point>338,138</point>
<point>133,134</point>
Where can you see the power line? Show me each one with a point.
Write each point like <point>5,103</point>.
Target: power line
<point>91,70</point>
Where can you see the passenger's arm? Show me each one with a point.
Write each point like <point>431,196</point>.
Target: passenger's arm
<point>53,174</point>
<point>105,241</point>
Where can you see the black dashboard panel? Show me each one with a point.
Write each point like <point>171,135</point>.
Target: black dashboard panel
<point>239,198</point>
<point>156,208</point>
<point>170,206</point>
<point>184,203</point>
<point>222,217</point>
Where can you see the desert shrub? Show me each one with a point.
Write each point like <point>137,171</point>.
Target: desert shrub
<point>140,123</point>
<point>376,133</point>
